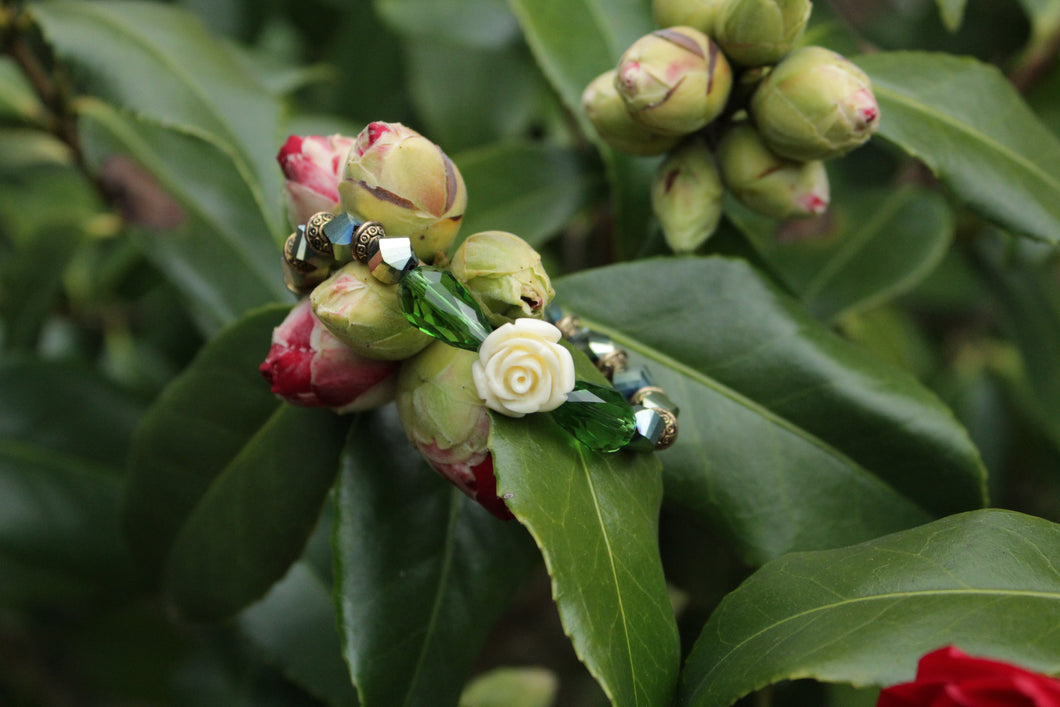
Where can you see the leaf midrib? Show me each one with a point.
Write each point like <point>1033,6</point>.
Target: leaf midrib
<point>614,572</point>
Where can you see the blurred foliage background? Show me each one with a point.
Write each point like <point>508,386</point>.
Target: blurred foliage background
<point>98,317</point>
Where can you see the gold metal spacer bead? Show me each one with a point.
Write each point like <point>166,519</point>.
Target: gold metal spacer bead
<point>568,326</point>
<point>669,435</point>
<point>314,234</point>
<point>363,237</point>
<point>638,397</point>
<point>612,363</point>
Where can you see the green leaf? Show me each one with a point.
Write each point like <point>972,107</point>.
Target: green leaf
<point>574,41</point>
<point>421,571</point>
<point>18,102</point>
<point>512,687</point>
<point>256,517</point>
<point>198,220</point>
<point>595,518</point>
<point>162,63</point>
<point>790,438</point>
<point>59,533</point>
<point>530,190</point>
<point>67,410</point>
<point>1045,21</point>
<point>984,581</point>
<point>872,248</point>
<point>194,430</point>
<point>473,23</point>
<point>294,625</point>
<point>1028,294</point>
<point>966,122</point>
<point>499,94</point>
<point>952,13</point>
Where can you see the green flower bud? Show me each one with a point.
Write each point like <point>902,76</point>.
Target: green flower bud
<point>686,196</point>
<point>447,422</point>
<point>365,314</point>
<point>758,32</point>
<point>607,112</point>
<point>674,80</point>
<point>504,274</point>
<point>401,179</point>
<point>698,14</point>
<point>815,105</point>
<point>768,183</point>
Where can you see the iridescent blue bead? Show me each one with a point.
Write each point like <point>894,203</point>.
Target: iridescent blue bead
<point>339,231</point>
<point>650,428</point>
<point>632,379</point>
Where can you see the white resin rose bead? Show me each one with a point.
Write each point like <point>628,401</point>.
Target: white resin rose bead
<point>522,369</point>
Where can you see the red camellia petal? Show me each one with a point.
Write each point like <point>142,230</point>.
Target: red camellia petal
<point>950,678</point>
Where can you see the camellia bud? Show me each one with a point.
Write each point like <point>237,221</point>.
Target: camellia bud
<point>504,274</point>
<point>686,196</point>
<point>365,314</point>
<point>309,366</point>
<point>815,105</point>
<point>674,80</point>
<point>313,167</point>
<point>607,112</point>
<point>447,422</point>
<point>758,32</point>
<point>407,183</point>
<point>768,183</point>
<point>698,14</point>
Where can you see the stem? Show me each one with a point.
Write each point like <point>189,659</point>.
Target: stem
<point>61,122</point>
<point>1036,63</point>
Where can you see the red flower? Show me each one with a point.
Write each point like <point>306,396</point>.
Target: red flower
<point>308,366</point>
<point>313,166</point>
<point>949,678</point>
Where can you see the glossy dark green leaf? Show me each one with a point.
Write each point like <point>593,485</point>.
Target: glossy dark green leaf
<point>966,122</point>
<point>985,581</point>
<point>474,23</point>
<point>194,430</point>
<point>1028,293</point>
<point>499,95</point>
<point>790,438</point>
<point>866,250</point>
<point>67,410</point>
<point>59,534</point>
<point>530,190</point>
<point>164,64</point>
<point>421,572</point>
<point>194,209</point>
<point>254,520</point>
<point>574,41</point>
<point>595,518</point>
<point>295,627</point>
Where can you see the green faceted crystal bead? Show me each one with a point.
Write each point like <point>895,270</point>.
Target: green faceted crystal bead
<point>597,416</point>
<point>437,304</point>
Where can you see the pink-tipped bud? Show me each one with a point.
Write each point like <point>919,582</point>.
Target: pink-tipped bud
<point>308,366</point>
<point>313,167</point>
<point>401,179</point>
<point>448,423</point>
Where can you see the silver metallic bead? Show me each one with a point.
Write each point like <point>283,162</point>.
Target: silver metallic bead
<point>389,259</point>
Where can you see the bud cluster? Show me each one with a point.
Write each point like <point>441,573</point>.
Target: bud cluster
<point>726,93</point>
<point>350,344</point>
